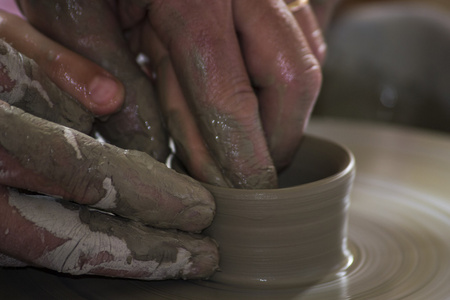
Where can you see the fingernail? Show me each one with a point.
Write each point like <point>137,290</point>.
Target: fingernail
<point>103,90</point>
<point>204,260</point>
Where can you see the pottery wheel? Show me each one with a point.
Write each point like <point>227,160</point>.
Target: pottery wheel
<point>398,231</point>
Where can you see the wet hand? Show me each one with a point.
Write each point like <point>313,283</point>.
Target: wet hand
<point>236,80</point>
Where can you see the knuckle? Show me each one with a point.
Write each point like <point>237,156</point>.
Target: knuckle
<point>238,98</point>
<point>306,81</point>
<point>6,21</point>
<point>311,70</point>
<point>322,50</point>
<point>169,19</point>
<point>180,25</point>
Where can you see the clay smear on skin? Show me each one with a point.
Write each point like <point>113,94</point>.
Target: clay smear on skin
<point>70,137</point>
<point>75,255</point>
<point>222,131</point>
<point>109,200</point>
<point>17,73</point>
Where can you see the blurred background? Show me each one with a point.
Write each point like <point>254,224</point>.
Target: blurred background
<point>389,61</point>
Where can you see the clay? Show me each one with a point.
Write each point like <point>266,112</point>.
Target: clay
<point>92,242</point>
<point>126,182</point>
<point>292,236</point>
<point>24,85</point>
<point>287,237</point>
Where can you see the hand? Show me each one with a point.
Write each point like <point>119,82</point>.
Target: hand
<point>102,196</point>
<point>37,155</point>
<point>137,125</point>
<point>236,80</point>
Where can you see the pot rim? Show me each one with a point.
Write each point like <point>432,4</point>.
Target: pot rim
<point>342,174</point>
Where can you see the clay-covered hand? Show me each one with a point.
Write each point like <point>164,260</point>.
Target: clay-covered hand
<point>236,80</point>
<point>72,237</point>
<point>103,197</point>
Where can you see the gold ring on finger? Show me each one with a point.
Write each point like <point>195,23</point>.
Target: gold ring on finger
<point>297,5</point>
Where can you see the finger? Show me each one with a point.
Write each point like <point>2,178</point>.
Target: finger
<point>283,69</point>
<point>92,29</point>
<point>48,158</point>
<point>205,54</point>
<point>306,19</point>
<point>72,239</point>
<point>180,122</point>
<point>25,85</point>
<point>95,88</point>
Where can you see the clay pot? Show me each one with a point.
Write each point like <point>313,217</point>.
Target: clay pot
<point>287,237</point>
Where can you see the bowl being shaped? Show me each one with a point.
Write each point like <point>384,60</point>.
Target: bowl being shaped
<point>291,236</point>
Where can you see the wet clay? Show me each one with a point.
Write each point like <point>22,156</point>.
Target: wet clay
<point>126,182</point>
<point>26,86</point>
<point>94,242</point>
<point>287,237</point>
